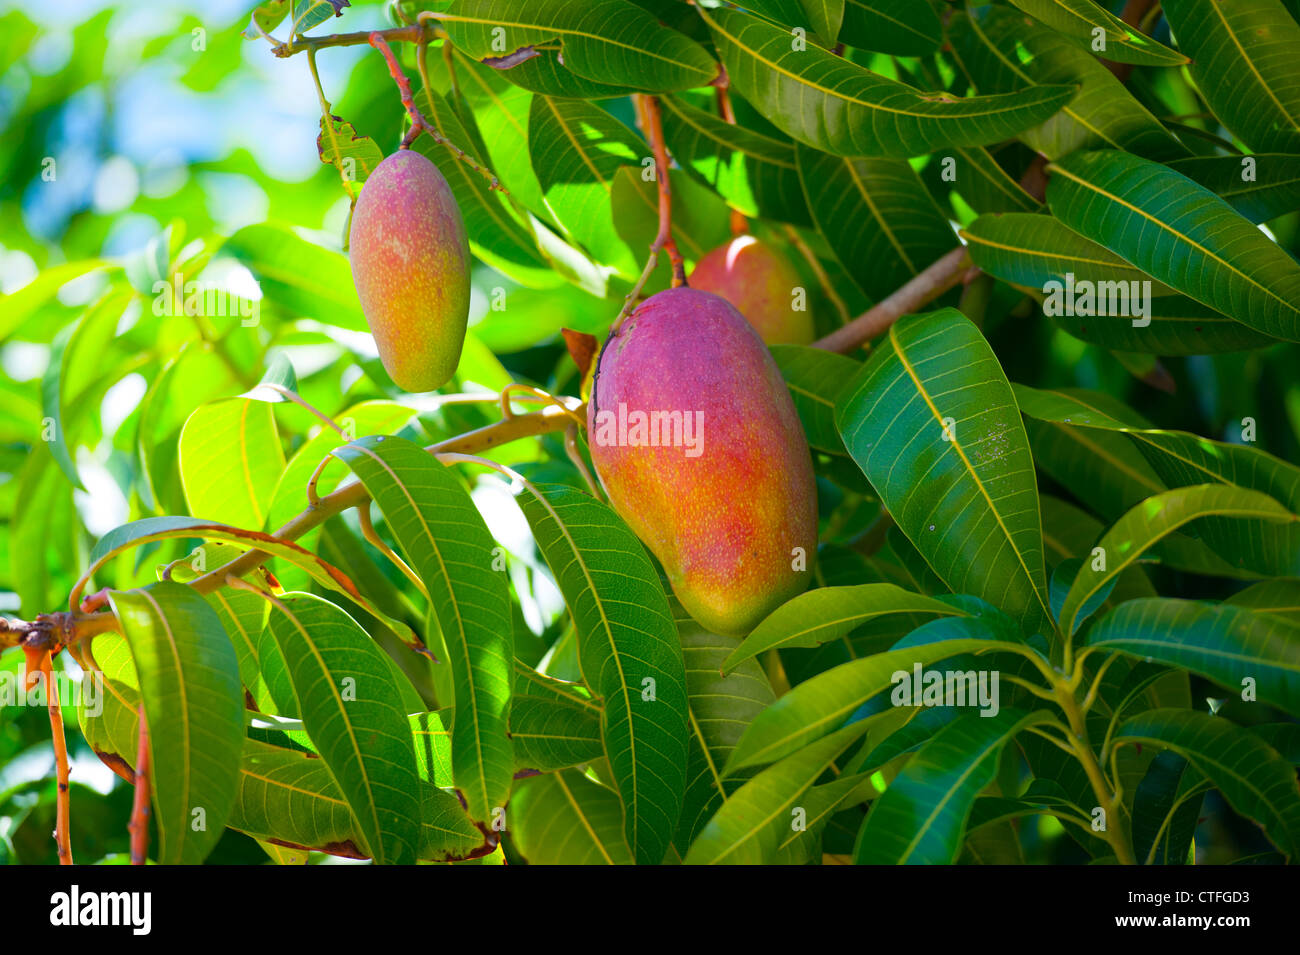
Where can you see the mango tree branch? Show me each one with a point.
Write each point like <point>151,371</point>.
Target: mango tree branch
<point>937,278</point>
<point>654,130</point>
<point>410,34</point>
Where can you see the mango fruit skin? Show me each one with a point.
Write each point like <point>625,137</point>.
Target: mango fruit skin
<point>724,522</point>
<point>411,266</point>
<point>759,282</point>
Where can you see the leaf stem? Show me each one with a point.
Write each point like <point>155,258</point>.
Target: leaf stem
<point>139,825</point>
<point>63,816</point>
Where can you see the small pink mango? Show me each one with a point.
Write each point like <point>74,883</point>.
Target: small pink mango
<point>696,440</point>
<point>755,278</point>
<point>411,266</point>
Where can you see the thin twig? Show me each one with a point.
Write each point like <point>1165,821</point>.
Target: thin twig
<point>938,278</point>
<point>369,533</point>
<point>62,831</point>
<point>410,34</point>
<point>139,825</point>
<point>654,131</point>
<point>419,124</point>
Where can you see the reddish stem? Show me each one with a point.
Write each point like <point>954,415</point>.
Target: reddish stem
<point>652,122</point>
<point>139,825</point>
<point>64,812</point>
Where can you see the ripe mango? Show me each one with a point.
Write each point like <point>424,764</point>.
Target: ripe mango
<point>410,264</point>
<point>760,282</point>
<point>696,441</point>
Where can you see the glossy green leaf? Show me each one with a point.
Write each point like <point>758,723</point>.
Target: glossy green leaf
<point>753,172</point>
<point>934,425</point>
<point>901,27</point>
<point>565,818</point>
<point>299,277</point>
<point>189,684</point>
<point>1181,234</point>
<point>1278,597</point>
<point>830,613</point>
<point>833,104</point>
<point>750,826</point>
<point>230,461</point>
<point>720,709</point>
<point>1223,643</point>
<point>608,41</point>
<point>1260,187</point>
<point>985,185</point>
<point>549,734</point>
<point>1094,28</point>
<point>629,653</point>
<point>576,151</point>
<point>822,704</point>
<point>1159,515</point>
<point>1253,778</point>
<point>815,378</point>
<point>1166,808</point>
<point>496,236</point>
<point>447,543</point>
<point>1001,51</point>
<point>347,696</point>
<point>876,214</point>
<point>1243,62</point>
<point>291,798</point>
<point>922,816</point>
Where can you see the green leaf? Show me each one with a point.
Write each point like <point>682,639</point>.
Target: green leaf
<point>1260,187</point>
<point>1181,234</point>
<point>1243,62</point>
<point>720,709</point>
<point>1080,20</point>
<point>566,819</point>
<point>1029,250</point>
<point>816,378</point>
<point>243,616</point>
<point>1156,517</point>
<point>189,683</point>
<point>353,155</point>
<point>303,279</point>
<point>753,172</point>
<point>877,216</point>
<point>825,17</point>
<point>449,546</point>
<point>290,797</point>
<point>901,27</point>
<point>608,41</point>
<point>149,529</point>
<point>922,816</point>
<point>628,647</point>
<point>1165,810</point>
<point>835,105</point>
<point>823,703</point>
<point>934,425</point>
<point>495,235</point>
<point>1220,642</point>
<point>750,825</point>
<point>576,150</point>
<point>230,461</point>
<point>830,613</point>
<point>1000,51</point>
<point>310,13</point>
<point>550,734</point>
<point>23,302</point>
<point>1278,597</point>
<point>1253,778</point>
<point>986,186</point>
<point>346,694</point>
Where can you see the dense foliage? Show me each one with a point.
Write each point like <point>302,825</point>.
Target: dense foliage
<point>1054,609</point>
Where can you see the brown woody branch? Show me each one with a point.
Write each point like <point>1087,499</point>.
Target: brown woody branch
<point>938,278</point>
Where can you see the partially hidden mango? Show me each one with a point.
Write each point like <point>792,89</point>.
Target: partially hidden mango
<point>696,441</point>
<point>761,283</point>
<point>411,267</point>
